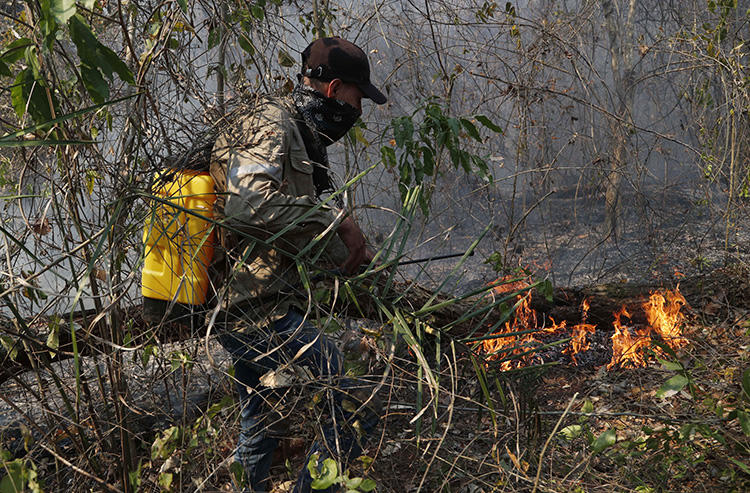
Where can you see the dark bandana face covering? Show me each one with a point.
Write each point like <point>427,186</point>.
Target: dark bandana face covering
<point>329,117</point>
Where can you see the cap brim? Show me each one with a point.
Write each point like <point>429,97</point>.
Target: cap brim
<point>373,93</point>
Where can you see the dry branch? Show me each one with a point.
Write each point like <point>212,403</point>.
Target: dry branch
<point>727,285</point>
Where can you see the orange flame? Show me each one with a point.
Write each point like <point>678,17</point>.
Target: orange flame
<point>664,317</point>
<point>579,341</point>
<point>515,344</point>
<point>629,344</point>
<point>526,319</point>
<point>627,348</point>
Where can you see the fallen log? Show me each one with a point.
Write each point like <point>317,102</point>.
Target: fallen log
<point>728,285</point>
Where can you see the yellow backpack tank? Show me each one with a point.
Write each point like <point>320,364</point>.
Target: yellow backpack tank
<point>179,240</point>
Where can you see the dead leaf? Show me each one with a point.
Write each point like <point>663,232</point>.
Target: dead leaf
<point>711,308</point>
<point>521,466</point>
<point>41,227</point>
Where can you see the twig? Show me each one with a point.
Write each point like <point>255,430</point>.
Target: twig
<point>450,418</point>
<point>549,439</point>
<point>77,469</point>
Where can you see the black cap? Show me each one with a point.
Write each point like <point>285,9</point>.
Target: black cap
<point>336,58</point>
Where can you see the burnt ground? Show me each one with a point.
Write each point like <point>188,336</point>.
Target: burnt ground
<point>551,427</point>
<point>661,234</point>
<point>576,428</point>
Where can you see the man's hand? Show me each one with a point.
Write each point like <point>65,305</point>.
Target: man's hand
<point>355,241</point>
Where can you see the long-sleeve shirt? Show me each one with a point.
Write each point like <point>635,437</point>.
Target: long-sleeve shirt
<point>272,214</point>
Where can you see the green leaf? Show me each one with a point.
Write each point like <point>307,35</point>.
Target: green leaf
<point>429,161</point>
<point>238,472</point>
<point>671,365</point>
<point>53,338</point>
<point>165,444</point>
<point>686,431</point>
<point>62,10</point>
<point>353,483</point>
<point>588,406</point>
<point>134,477</point>
<point>148,351</point>
<point>89,4</point>
<point>403,130</point>
<point>246,44</point>
<point>258,12</point>
<point>471,129</point>
<point>214,37</point>
<point>32,59</point>
<point>183,5</point>
<point>95,84</point>
<point>329,472</point>
<point>388,156</point>
<point>454,125</point>
<point>91,177</point>
<point>356,132</point>
<point>746,383</point>
<point>10,345</point>
<point>5,70</point>
<point>312,466</point>
<point>15,50</point>
<point>12,139</point>
<point>14,477</point>
<point>571,432</point>
<point>741,465</point>
<point>488,123</point>
<point>47,24</point>
<point>96,56</point>
<point>744,420</point>
<point>165,480</point>
<point>285,59</point>
<point>29,94</point>
<point>547,290</point>
<point>672,386</point>
<point>367,485</point>
<point>605,440</point>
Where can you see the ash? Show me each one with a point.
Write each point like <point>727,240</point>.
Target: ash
<point>599,352</point>
<point>565,240</point>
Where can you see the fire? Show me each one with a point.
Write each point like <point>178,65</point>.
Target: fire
<point>512,347</point>
<point>627,349</point>
<point>516,341</point>
<point>515,346</point>
<point>579,337</point>
<point>664,317</point>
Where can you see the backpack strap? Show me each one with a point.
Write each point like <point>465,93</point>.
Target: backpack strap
<point>226,240</point>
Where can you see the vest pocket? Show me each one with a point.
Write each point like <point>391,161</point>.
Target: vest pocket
<point>300,177</point>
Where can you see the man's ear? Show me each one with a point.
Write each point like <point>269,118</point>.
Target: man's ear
<point>333,86</point>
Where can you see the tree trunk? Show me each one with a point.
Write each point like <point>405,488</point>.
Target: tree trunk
<point>621,48</point>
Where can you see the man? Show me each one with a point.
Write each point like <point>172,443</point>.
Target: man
<point>274,165</point>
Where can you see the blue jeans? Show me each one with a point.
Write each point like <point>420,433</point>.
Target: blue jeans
<point>257,353</point>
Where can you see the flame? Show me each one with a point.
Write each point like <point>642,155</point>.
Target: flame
<point>664,317</point>
<point>516,349</point>
<point>579,337</point>
<point>627,348</point>
<point>514,346</point>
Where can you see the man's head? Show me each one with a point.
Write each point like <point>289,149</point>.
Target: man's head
<point>340,70</point>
